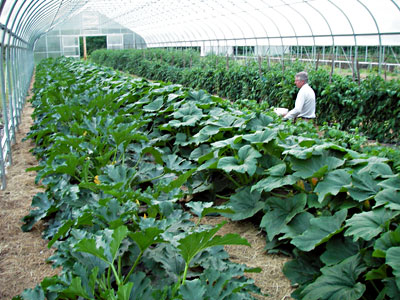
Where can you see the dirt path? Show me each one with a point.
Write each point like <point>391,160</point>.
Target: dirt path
<point>23,255</point>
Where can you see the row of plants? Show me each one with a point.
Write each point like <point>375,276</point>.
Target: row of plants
<point>118,155</point>
<point>113,191</point>
<point>371,105</point>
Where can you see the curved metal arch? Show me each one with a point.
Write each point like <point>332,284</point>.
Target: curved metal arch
<point>199,34</point>
<point>273,22</point>
<point>348,20</point>
<point>194,29</point>
<point>260,23</point>
<point>324,18</point>
<point>206,33</point>
<point>3,91</point>
<point>229,17</point>
<point>352,29</point>
<point>290,24</point>
<point>326,21</point>
<point>398,7</point>
<point>160,37</point>
<point>216,37</point>
<point>379,33</point>
<point>27,18</point>
<point>13,94</point>
<point>205,24</point>
<point>305,20</point>
<point>2,3</point>
<point>187,24</point>
<point>37,13</point>
<point>170,36</point>
<point>47,10</point>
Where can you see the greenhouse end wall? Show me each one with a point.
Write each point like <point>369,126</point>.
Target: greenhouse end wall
<point>64,39</point>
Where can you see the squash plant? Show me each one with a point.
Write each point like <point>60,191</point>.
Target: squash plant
<point>113,186</point>
<point>370,105</point>
<point>116,171</point>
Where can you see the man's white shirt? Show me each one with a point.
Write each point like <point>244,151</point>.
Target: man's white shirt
<point>304,105</point>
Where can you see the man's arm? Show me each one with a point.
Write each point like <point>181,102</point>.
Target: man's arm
<point>298,106</point>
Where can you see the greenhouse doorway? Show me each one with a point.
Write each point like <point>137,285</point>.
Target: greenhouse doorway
<point>88,44</point>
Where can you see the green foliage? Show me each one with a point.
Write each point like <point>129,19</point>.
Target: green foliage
<point>93,43</point>
<point>370,106</point>
<point>114,172</point>
<point>138,148</point>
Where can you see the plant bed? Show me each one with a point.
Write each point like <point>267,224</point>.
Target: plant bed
<point>314,197</point>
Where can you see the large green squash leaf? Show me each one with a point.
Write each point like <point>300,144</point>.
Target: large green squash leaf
<point>391,183</point>
<point>124,291</point>
<point>201,209</point>
<point>193,289</point>
<point>316,166</point>
<point>33,294</point>
<point>273,182</point>
<point>363,187</point>
<point>368,225</point>
<point>304,268</point>
<point>261,137</point>
<point>299,224</point>
<point>393,260</point>
<point>246,162</point>
<point>377,169</point>
<point>386,241</point>
<point>189,113</point>
<point>334,182</point>
<point>227,284</point>
<point>307,152</point>
<point>391,288</point>
<point>339,248</point>
<point>195,242</point>
<point>228,142</point>
<point>245,204</point>
<point>321,230</point>
<point>142,286</point>
<point>117,176</point>
<point>199,96</point>
<point>280,212</point>
<point>147,237</point>
<point>155,105</point>
<point>388,197</point>
<point>175,163</point>
<point>44,208</point>
<point>106,248</point>
<point>338,282</point>
<point>76,289</point>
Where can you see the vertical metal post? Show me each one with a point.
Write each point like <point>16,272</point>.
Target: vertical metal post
<point>7,153</point>
<point>11,97</point>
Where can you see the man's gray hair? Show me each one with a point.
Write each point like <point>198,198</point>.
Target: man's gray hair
<point>302,76</point>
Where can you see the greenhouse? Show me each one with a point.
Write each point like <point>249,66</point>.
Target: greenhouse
<point>222,149</point>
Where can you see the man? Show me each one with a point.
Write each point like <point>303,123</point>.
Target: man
<point>304,106</point>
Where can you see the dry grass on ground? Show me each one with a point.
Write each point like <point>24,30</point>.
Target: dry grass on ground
<point>22,254</point>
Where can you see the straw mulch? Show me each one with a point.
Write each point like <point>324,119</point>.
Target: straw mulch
<point>271,279</point>
<point>23,255</point>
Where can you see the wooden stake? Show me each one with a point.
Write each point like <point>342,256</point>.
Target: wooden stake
<point>84,48</point>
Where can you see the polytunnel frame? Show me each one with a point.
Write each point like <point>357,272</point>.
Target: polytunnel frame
<point>7,138</point>
<point>352,60</point>
<point>17,65</point>
<point>16,96</point>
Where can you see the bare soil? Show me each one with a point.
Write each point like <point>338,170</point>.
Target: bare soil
<point>23,254</point>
